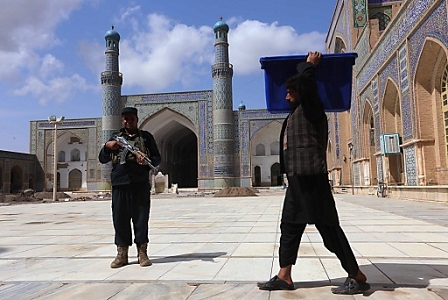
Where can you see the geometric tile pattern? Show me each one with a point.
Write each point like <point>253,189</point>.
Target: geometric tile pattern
<point>410,165</point>
<point>395,57</point>
<point>359,13</point>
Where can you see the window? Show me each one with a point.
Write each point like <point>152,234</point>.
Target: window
<point>75,155</point>
<point>372,132</point>
<point>275,148</point>
<point>260,150</point>
<point>61,156</point>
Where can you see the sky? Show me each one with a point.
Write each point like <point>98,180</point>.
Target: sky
<point>52,51</point>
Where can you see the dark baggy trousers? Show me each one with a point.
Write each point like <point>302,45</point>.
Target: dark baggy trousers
<point>334,240</point>
<point>292,229</point>
<point>131,203</point>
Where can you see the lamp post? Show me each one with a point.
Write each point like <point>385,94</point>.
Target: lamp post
<point>56,122</point>
<point>352,177</point>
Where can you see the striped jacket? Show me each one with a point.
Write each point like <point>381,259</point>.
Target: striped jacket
<point>307,130</point>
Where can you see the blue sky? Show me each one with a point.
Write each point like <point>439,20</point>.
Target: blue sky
<point>52,51</point>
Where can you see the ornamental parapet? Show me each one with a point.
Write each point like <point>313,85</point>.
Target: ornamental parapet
<point>111,78</point>
<point>222,70</point>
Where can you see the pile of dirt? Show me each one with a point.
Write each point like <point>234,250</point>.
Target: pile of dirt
<point>237,192</point>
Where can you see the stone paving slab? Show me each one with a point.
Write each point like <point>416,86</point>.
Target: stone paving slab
<point>218,248</point>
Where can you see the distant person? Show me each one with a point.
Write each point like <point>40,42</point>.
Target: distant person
<point>308,198</point>
<point>130,187</point>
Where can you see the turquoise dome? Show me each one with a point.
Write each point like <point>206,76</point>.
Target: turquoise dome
<point>221,25</point>
<point>112,35</point>
<point>241,106</point>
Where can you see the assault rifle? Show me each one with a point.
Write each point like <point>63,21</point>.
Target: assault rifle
<point>134,150</point>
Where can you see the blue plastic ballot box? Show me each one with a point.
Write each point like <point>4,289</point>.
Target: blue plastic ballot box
<point>333,78</point>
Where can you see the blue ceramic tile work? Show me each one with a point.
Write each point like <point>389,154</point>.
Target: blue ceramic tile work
<point>360,16</point>
<point>202,129</point>
<point>389,72</point>
<point>222,88</point>
<point>68,124</point>
<point>411,166</point>
<point>379,163</point>
<point>376,111</point>
<point>244,148</point>
<point>336,132</point>
<point>236,132</point>
<point>202,170</point>
<point>382,1</point>
<point>403,69</point>
<point>393,37</point>
<point>111,107</point>
<point>363,50</point>
<point>175,97</point>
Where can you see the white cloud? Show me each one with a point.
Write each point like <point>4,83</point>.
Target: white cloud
<point>50,65</point>
<point>251,40</point>
<point>28,27</point>
<point>128,12</point>
<point>156,55</point>
<point>163,52</point>
<point>54,90</point>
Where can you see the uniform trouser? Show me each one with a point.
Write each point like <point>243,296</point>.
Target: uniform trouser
<point>334,240</point>
<point>131,202</point>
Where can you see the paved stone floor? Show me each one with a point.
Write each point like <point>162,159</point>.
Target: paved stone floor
<point>218,248</point>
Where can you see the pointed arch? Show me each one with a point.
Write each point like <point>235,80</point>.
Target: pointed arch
<point>74,179</point>
<point>177,139</point>
<point>276,176</point>
<point>392,123</point>
<point>391,109</point>
<point>339,45</point>
<point>430,84</point>
<point>16,176</point>
<point>262,159</point>
<point>369,134</point>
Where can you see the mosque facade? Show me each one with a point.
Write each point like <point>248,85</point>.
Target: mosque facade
<point>203,142</point>
<point>396,131</point>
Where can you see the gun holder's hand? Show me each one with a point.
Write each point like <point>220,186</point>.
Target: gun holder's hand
<point>141,158</point>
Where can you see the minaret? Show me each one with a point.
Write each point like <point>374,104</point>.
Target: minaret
<point>111,81</point>
<point>223,121</point>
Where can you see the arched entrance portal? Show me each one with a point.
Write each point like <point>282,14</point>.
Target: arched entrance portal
<point>74,180</point>
<point>276,176</point>
<point>264,150</point>
<point>16,179</point>
<point>394,173</point>
<point>177,141</point>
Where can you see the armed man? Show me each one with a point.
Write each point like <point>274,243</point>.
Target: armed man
<point>132,161</point>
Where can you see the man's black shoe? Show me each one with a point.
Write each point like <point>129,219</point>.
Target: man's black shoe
<point>351,287</point>
<point>275,283</point>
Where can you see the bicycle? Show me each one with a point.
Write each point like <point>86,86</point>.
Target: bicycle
<point>382,189</point>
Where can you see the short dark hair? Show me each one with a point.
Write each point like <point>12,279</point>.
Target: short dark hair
<point>293,82</point>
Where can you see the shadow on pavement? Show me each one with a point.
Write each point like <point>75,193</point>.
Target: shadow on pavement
<point>188,257</point>
<point>434,277</point>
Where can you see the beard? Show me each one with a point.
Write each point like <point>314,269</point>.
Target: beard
<point>294,104</point>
